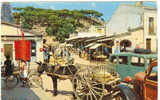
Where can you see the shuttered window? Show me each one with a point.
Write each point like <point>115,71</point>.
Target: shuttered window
<point>151,25</point>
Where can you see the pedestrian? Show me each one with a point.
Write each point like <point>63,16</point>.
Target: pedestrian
<point>24,72</point>
<point>117,48</point>
<point>64,52</point>
<point>8,66</point>
<point>61,53</point>
<point>45,53</point>
<point>106,52</point>
<point>79,51</point>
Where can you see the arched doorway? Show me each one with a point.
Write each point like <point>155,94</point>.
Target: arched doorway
<point>125,43</point>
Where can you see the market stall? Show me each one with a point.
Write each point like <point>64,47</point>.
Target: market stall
<point>97,51</point>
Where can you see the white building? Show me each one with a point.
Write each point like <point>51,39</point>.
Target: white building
<point>10,33</point>
<point>139,21</point>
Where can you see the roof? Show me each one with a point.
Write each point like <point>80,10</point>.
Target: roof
<point>135,54</point>
<point>8,29</point>
<point>106,39</point>
<point>85,35</point>
<point>95,38</point>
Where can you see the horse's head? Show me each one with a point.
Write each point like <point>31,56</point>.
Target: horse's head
<point>41,67</point>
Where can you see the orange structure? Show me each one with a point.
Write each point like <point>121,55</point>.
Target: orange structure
<point>22,50</point>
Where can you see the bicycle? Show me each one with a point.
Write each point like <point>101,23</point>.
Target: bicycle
<point>33,79</point>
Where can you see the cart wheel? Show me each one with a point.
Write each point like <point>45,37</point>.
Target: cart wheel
<point>12,81</point>
<point>86,89</point>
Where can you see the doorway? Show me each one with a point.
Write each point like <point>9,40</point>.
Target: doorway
<point>148,44</point>
<point>8,50</point>
<point>33,50</point>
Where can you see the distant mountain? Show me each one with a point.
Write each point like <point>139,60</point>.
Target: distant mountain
<point>6,14</point>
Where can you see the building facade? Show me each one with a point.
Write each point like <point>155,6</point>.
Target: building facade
<point>10,33</point>
<point>150,30</point>
<point>139,21</point>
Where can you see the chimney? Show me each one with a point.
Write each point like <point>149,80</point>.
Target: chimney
<point>139,3</point>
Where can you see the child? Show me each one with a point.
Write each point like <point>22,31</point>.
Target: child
<point>24,72</point>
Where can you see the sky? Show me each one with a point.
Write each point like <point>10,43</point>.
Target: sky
<point>105,7</point>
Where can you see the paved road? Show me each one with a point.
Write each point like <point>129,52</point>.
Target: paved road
<point>64,86</point>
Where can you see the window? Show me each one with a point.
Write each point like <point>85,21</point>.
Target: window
<point>123,60</point>
<point>151,25</point>
<point>137,61</point>
<point>99,30</point>
<point>113,59</point>
<point>33,48</point>
<point>154,74</point>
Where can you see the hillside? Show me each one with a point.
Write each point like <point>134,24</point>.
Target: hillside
<point>58,23</point>
<point>53,24</point>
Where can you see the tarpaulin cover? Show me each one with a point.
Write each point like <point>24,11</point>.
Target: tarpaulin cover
<point>22,50</point>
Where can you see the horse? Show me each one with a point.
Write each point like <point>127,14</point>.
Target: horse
<point>69,70</point>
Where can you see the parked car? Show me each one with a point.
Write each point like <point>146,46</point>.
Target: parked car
<point>144,85</point>
<point>128,63</point>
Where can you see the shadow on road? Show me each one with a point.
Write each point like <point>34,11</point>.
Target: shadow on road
<point>62,92</point>
<point>18,93</point>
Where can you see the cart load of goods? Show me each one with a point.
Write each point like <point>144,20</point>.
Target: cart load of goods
<point>59,61</point>
<point>103,77</point>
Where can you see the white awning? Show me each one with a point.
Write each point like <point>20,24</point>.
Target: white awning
<point>91,44</point>
<point>105,39</point>
<point>72,38</point>
<point>95,46</point>
<point>69,45</point>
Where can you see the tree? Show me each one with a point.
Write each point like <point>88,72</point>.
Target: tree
<point>59,23</point>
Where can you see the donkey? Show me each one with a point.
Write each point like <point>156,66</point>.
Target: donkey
<point>62,70</point>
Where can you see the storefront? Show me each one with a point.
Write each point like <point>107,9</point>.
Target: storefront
<point>10,34</point>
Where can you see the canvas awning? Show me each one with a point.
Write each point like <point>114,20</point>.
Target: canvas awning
<point>102,40</point>
<point>69,45</point>
<point>95,46</point>
<point>69,39</point>
<point>91,44</point>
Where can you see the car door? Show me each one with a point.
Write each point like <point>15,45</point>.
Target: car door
<point>122,66</point>
<point>137,64</point>
<point>151,82</point>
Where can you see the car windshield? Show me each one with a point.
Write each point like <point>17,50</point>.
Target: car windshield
<point>154,69</point>
<point>154,74</point>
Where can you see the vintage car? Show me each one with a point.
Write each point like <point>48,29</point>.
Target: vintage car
<point>143,86</point>
<point>128,63</point>
<point>146,83</point>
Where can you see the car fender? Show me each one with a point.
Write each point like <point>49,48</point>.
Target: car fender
<point>129,93</point>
